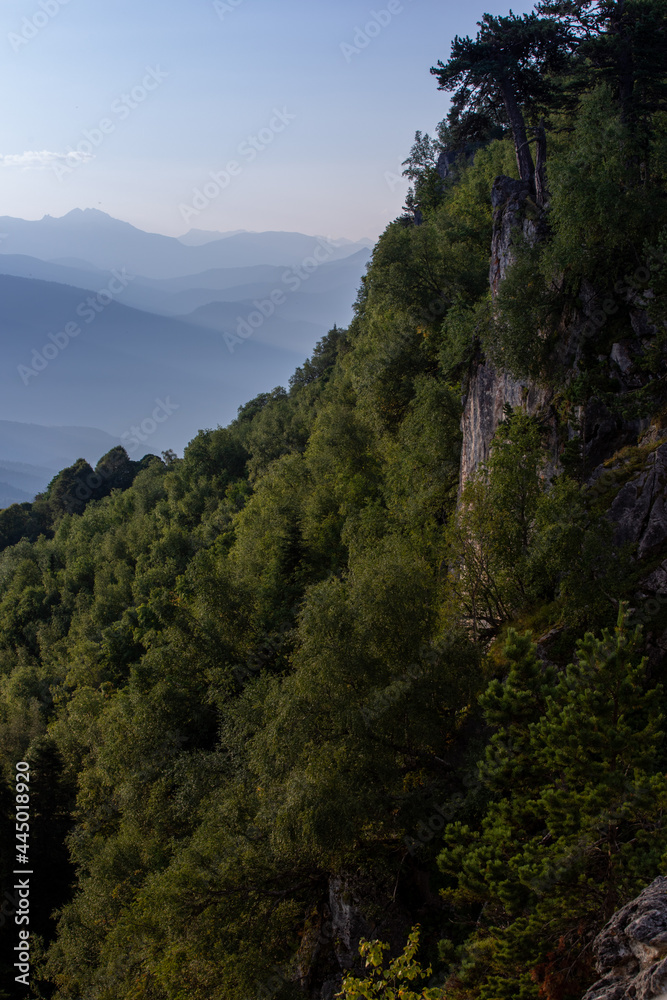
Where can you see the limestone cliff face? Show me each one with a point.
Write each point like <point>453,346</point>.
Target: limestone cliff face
<point>489,390</point>
<point>602,433</point>
<point>512,204</point>
<point>639,509</point>
<point>354,908</point>
<point>488,393</point>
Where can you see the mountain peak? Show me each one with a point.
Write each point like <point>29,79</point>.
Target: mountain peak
<point>90,214</point>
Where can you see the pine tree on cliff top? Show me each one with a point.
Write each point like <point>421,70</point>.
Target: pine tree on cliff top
<point>501,77</point>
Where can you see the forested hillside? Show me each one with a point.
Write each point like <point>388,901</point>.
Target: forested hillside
<point>309,684</point>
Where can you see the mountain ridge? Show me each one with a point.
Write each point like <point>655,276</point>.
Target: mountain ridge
<point>105,242</point>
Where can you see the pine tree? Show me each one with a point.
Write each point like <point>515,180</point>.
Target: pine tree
<point>623,42</point>
<point>575,824</point>
<point>502,76</point>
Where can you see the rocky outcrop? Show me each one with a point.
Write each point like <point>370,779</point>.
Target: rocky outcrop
<point>639,509</point>
<point>631,951</point>
<point>488,393</point>
<point>330,940</point>
<point>603,433</point>
<point>347,922</point>
<point>639,513</point>
<point>513,207</point>
<point>447,162</point>
<point>515,216</point>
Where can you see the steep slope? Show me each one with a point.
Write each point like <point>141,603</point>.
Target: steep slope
<point>310,684</point>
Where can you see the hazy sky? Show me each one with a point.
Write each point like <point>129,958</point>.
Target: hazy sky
<point>130,106</point>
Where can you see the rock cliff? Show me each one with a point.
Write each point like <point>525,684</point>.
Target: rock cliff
<point>631,951</point>
<point>639,509</point>
<point>489,391</point>
<point>516,218</point>
<point>354,909</point>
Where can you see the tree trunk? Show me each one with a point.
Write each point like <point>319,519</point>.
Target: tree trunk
<point>541,191</point>
<point>523,157</point>
<point>624,65</point>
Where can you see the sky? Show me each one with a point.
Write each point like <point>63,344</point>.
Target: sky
<point>220,114</point>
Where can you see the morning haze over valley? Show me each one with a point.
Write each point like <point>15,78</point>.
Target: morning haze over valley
<point>103,324</point>
<point>213,287</point>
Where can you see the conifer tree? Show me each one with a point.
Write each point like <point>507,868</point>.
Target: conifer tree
<point>575,825</point>
<point>502,77</point>
<point>623,42</point>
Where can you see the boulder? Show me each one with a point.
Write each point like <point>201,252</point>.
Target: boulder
<point>631,951</point>
<point>639,510</point>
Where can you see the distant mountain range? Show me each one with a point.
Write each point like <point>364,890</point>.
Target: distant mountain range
<point>101,322</point>
<point>90,237</point>
<point>50,449</point>
<point>183,295</point>
<point>197,237</point>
